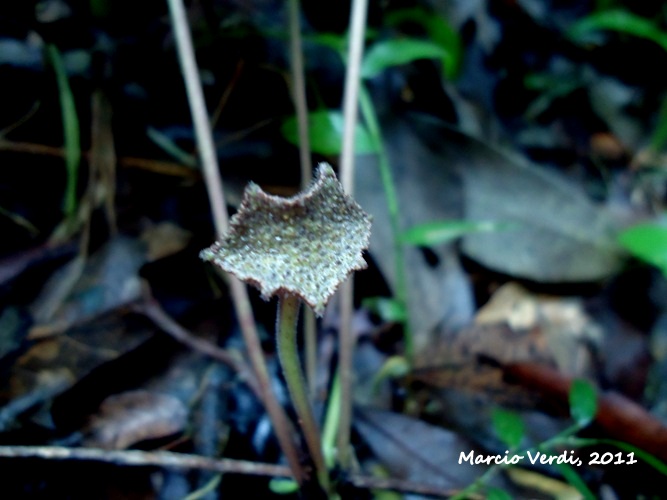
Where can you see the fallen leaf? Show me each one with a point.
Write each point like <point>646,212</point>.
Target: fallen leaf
<point>567,330</point>
<point>54,364</point>
<point>419,452</point>
<point>85,289</point>
<point>133,416</point>
<point>439,293</point>
<point>564,237</point>
<point>164,239</point>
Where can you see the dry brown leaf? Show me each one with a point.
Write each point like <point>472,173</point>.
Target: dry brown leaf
<point>566,328</point>
<point>52,365</point>
<point>514,326</point>
<point>130,417</point>
<point>164,239</point>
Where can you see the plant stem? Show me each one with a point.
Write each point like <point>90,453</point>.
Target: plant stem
<point>301,104</point>
<point>310,350</point>
<point>213,180</point>
<point>370,117</point>
<point>350,112</point>
<point>288,314</point>
<point>299,93</point>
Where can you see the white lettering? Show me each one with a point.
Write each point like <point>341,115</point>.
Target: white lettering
<point>531,458</point>
<point>466,458</point>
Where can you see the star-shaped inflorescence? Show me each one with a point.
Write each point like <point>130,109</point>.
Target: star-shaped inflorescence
<point>306,245</point>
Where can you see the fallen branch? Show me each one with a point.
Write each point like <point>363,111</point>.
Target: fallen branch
<point>166,459</point>
<point>171,460</point>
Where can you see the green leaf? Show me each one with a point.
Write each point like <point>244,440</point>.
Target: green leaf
<point>388,309</point>
<point>282,486</point>
<point>647,242</point>
<point>331,40</point>
<point>497,494</point>
<point>433,233</point>
<point>583,402</point>
<point>394,367</point>
<point>325,129</point>
<point>508,427</point>
<point>396,52</point>
<point>620,21</point>
<point>438,31</point>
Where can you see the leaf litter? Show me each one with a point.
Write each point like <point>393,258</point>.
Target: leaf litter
<point>500,319</point>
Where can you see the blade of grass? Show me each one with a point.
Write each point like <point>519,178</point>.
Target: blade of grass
<point>170,147</point>
<point>434,233</point>
<point>389,186</point>
<point>71,133</point>
<point>19,220</point>
<point>621,21</point>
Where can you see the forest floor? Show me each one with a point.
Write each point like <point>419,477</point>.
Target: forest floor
<point>514,303</point>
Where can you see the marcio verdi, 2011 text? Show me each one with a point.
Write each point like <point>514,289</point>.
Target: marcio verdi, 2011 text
<point>537,457</point>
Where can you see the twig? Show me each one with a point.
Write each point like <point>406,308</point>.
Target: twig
<point>213,180</point>
<point>350,110</point>
<point>166,459</point>
<point>159,166</point>
<point>224,99</point>
<point>171,460</point>
<point>155,313</point>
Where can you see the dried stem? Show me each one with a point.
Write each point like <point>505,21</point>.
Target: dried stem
<point>299,93</point>
<point>350,110</point>
<point>220,217</point>
<point>171,460</point>
<point>301,104</point>
<point>146,458</point>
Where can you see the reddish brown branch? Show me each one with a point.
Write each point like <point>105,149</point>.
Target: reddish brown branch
<point>619,417</point>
